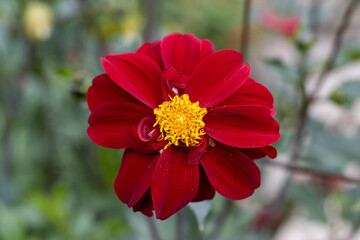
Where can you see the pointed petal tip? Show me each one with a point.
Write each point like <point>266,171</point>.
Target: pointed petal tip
<point>132,182</point>
<point>231,173</point>
<point>247,65</point>
<point>173,190</point>
<point>137,74</point>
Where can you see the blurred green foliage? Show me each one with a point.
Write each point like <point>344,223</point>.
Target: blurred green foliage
<point>56,184</point>
<point>346,94</point>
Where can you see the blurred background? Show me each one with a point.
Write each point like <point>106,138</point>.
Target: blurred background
<point>56,184</point>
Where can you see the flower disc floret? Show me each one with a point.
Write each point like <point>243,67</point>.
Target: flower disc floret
<point>180,120</point>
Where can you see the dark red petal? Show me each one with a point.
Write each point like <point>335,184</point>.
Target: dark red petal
<point>231,173</point>
<point>103,89</point>
<point>145,204</point>
<point>207,48</point>
<point>217,77</point>
<point>174,183</point>
<point>206,191</point>
<point>92,99</point>
<point>242,126</point>
<point>136,73</point>
<point>250,93</point>
<point>152,50</point>
<point>255,153</point>
<point>270,151</point>
<point>109,121</point>
<point>181,52</point>
<point>134,176</point>
<point>143,49</point>
<point>132,139</point>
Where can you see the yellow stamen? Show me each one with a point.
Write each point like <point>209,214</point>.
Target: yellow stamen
<point>180,120</point>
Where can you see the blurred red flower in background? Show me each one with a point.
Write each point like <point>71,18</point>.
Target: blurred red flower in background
<point>191,121</point>
<point>287,25</point>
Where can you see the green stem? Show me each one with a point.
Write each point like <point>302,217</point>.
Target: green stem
<point>180,234</point>
<point>245,28</point>
<point>153,229</point>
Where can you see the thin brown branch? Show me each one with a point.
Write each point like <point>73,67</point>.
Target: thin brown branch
<point>303,115</point>
<point>314,16</point>
<point>298,141</point>
<point>152,16</point>
<point>221,219</point>
<point>245,28</point>
<point>336,44</point>
<point>314,172</point>
<point>297,144</point>
<point>354,229</point>
<point>180,231</point>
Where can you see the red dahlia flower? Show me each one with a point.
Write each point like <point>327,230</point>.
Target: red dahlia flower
<point>287,25</point>
<point>191,121</point>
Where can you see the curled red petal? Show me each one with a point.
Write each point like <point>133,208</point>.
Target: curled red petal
<point>174,182</point>
<point>217,77</point>
<point>110,120</point>
<point>178,82</point>
<point>181,52</point>
<point>136,73</point>
<point>242,126</point>
<point>172,83</point>
<point>133,140</point>
<point>230,172</point>
<point>146,131</point>
<point>134,176</point>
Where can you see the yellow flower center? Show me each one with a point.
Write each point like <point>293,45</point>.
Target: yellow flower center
<point>180,120</point>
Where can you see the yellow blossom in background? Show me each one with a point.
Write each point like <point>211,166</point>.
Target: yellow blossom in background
<point>38,21</point>
<point>132,27</point>
<point>132,23</point>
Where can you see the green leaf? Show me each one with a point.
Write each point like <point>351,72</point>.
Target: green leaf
<point>330,150</point>
<point>346,94</point>
<point>12,224</point>
<point>353,54</point>
<point>304,40</point>
<point>349,54</point>
<point>66,72</point>
<point>282,70</point>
